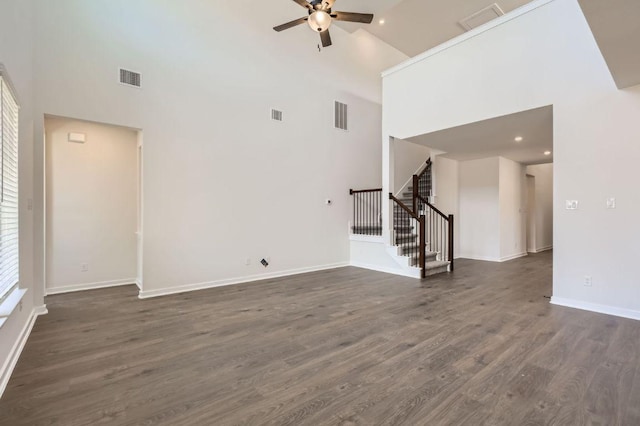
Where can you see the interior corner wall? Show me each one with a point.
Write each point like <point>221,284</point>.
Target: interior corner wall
<point>512,189</point>
<point>446,187</point>
<point>91,205</point>
<point>409,158</point>
<point>480,209</point>
<point>544,205</point>
<point>223,184</point>
<point>16,54</point>
<point>488,74</point>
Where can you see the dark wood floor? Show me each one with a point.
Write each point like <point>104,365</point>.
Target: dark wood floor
<point>342,347</point>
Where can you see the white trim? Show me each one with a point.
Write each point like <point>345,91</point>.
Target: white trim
<point>410,181</point>
<point>387,270</point>
<point>89,286</point>
<point>481,258</point>
<point>513,256</point>
<point>468,35</point>
<point>540,250</point>
<point>366,238</point>
<point>11,302</point>
<point>233,281</point>
<point>594,307</point>
<point>139,284</point>
<point>18,346</point>
<point>493,259</point>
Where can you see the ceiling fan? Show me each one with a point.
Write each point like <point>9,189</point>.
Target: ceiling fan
<point>320,17</point>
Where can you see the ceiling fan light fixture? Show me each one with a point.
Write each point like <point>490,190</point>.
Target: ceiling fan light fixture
<point>319,21</point>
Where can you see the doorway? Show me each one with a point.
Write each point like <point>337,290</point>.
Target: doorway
<point>93,192</point>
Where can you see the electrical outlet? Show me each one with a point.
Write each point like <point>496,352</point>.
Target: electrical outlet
<point>588,282</point>
<point>84,267</point>
<point>247,261</point>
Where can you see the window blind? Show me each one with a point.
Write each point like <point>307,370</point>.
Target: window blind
<point>9,262</point>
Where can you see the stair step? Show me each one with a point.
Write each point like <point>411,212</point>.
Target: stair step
<point>434,268</point>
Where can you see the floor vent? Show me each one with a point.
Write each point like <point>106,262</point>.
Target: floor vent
<point>130,78</point>
<point>341,116</point>
<point>276,115</point>
<point>481,17</point>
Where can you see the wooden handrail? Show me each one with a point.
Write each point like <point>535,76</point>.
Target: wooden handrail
<point>404,207</point>
<point>360,191</point>
<point>425,169</point>
<point>435,209</point>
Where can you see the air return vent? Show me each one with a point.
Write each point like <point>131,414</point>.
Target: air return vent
<point>130,78</point>
<point>341,116</point>
<point>481,17</point>
<point>276,115</point>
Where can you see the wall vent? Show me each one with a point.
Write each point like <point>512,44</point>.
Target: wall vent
<point>341,115</point>
<point>481,17</point>
<point>130,78</point>
<point>276,115</point>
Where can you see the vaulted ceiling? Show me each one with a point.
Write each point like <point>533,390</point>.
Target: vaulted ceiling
<point>414,26</point>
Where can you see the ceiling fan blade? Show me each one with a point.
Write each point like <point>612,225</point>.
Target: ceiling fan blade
<point>304,3</point>
<point>326,38</point>
<point>290,24</point>
<point>363,18</point>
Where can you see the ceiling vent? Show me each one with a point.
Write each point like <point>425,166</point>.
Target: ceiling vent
<point>481,17</point>
<point>341,116</point>
<point>130,78</point>
<point>276,115</point>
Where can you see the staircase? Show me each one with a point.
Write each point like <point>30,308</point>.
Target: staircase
<point>422,236</point>
<point>408,244</point>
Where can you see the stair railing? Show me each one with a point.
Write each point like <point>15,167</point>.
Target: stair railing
<point>422,185</point>
<point>403,224</point>
<point>367,211</point>
<point>439,230</point>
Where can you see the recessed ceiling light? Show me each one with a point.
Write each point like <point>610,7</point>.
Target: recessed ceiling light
<point>381,22</point>
<point>519,139</point>
<point>547,153</point>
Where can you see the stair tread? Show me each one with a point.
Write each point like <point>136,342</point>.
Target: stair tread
<point>436,264</point>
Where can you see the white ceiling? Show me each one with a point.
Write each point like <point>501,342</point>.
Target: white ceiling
<point>496,137</point>
<point>415,26</point>
<point>616,27</point>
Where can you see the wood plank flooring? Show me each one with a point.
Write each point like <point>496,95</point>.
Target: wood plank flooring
<point>481,346</point>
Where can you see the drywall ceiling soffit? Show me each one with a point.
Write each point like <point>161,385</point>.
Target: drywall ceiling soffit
<point>496,138</point>
<point>616,27</point>
<point>415,26</point>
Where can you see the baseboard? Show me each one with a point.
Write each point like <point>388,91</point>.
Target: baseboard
<point>513,256</point>
<point>233,281</point>
<point>542,249</point>
<point>481,258</point>
<point>494,259</point>
<point>594,307</point>
<point>89,286</point>
<point>18,346</point>
<point>378,268</point>
<point>139,284</point>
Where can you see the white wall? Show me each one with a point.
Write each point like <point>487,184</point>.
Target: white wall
<point>543,213</point>
<point>222,183</point>
<point>479,217</point>
<point>16,47</point>
<point>91,205</point>
<point>512,184</point>
<point>409,158</point>
<point>489,74</point>
<point>446,190</point>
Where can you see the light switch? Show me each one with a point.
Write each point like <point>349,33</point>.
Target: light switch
<point>572,205</point>
<point>611,203</point>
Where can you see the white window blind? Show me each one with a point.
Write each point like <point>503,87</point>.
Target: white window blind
<point>9,264</point>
